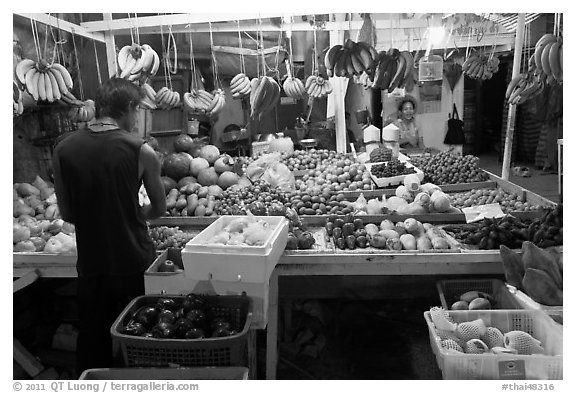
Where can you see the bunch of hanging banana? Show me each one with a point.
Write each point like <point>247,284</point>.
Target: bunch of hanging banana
<point>350,59</point>
<point>480,66</point>
<point>167,98</point>
<point>197,101</point>
<point>84,112</point>
<point>17,107</point>
<point>264,95</point>
<point>149,100</point>
<point>294,88</point>
<point>548,57</point>
<point>524,87</point>
<point>217,103</point>
<point>393,69</point>
<point>240,86</point>
<point>317,86</point>
<point>45,82</point>
<point>138,62</point>
<point>364,80</point>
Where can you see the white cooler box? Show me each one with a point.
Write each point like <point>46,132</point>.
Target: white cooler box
<point>233,263</point>
<point>176,283</point>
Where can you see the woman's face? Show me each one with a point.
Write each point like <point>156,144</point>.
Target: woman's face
<point>407,111</point>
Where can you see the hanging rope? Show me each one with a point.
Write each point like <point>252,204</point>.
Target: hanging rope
<point>264,71</point>
<point>242,65</point>
<point>276,63</point>
<point>217,84</point>
<point>193,63</point>
<point>97,63</point>
<point>132,29</point>
<point>78,67</point>
<point>137,31</point>
<point>315,59</point>
<point>35,38</point>
<point>164,55</point>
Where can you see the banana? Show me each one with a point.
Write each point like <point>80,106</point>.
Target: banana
<point>348,64</point>
<point>155,64</point>
<point>149,57</point>
<point>309,82</point>
<point>237,81</point>
<point>41,87</point>
<point>364,55</point>
<point>65,75</point>
<point>545,59</point>
<point>48,87</point>
<point>245,90</point>
<point>512,85</point>
<point>260,95</point>
<point>22,68</point>
<point>515,96</point>
<point>60,80</point>
<point>31,79</point>
<point>331,57</point>
<point>149,90</point>
<point>539,48</point>
<point>340,65</point>
<point>123,57</point>
<point>55,86</point>
<point>213,103</point>
<point>357,63</point>
<point>467,63</point>
<point>254,83</point>
<point>139,66</point>
<point>300,87</point>
<point>389,73</point>
<point>408,68</point>
<point>328,87</point>
<point>130,63</point>
<point>400,71</point>
<point>161,93</point>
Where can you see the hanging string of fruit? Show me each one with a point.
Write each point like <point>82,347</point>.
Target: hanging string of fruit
<point>293,87</point>
<point>316,85</point>
<point>240,86</point>
<point>198,99</point>
<point>137,62</point>
<point>265,90</point>
<point>393,69</point>
<point>84,110</point>
<point>219,96</point>
<point>481,65</point>
<point>45,81</point>
<point>166,97</point>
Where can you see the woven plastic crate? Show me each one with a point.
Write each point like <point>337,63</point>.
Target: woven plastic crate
<point>168,373</point>
<point>455,365</point>
<point>216,352</point>
<point>450,291</point>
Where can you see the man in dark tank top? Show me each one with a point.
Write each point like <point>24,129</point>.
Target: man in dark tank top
<point>98,173</point>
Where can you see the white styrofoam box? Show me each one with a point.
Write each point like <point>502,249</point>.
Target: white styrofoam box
<point>207,261</point>
<point>176,283</point>
<point>391,133</point>
<point>394,180</point>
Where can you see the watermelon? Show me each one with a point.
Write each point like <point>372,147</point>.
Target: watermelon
<point>177,165</point>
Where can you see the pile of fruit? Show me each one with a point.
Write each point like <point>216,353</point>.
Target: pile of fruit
<point>350,232</point>
<point>391,169</point>
<point>37,225</point>
<point>381,154</point>
<point>474,337</point>
<point>169,237</point>
<point>509,202</point>
<point>344,175</point>
<point>258,197</point>
<point>446,168</point>
<point>247,230</point>
<point>537,272</point>
<point>311,159</point>
<point>510,231</point>
<point>474,300</point>
<point>189,318</point>
<point>298,237</point>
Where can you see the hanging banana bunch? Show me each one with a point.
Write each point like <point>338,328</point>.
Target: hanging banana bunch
<point>293,87</point>
<point>548,58</point>
<point>17,106</point>
<point>149,100</point>
<point>137,62</point>
<point>480,66</point>
<point>393,69</point>
<point>45,82</point>
<point>264,96</point>
<point>83,112</point>
<point>350,59</point>
<point>240,86</point>
<point>317,86</point>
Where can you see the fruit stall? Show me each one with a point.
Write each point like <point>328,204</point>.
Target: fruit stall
<point>256,211</point>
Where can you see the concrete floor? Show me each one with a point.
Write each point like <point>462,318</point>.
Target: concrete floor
<point>542,183</point>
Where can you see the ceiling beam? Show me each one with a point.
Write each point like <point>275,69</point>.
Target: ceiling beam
<point>61,24</point>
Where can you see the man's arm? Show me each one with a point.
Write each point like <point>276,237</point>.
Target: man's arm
<point>151,177</point>
<point>61,191</point>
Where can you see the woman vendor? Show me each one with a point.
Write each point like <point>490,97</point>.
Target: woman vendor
<point>410,133</point>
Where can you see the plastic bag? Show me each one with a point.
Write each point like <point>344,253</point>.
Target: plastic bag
<point>270,169</point>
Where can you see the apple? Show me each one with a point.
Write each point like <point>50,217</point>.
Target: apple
<point>459,305</point>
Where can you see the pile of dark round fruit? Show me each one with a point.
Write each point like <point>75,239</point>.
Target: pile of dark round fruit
<point>260,198</point>
<point>347,232</point>
<point>319,203</point>
<point>381,154</point>
<point>447,168</point>
<point>391,169</point>
<point>299,238</point>
<point>169,237</point>
<point>310,159</point>
<point>189,318</point>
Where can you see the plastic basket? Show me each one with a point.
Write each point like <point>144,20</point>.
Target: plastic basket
<point>455,365</point>
<point>394,180</point>
<point>168,373</point>
<point>217,352</point>
<point>527,303</point>
<point>450,291</point>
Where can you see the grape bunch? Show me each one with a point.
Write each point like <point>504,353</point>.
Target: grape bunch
<point>391,169</point>
<point>169,237</point>
<point>381,154</point>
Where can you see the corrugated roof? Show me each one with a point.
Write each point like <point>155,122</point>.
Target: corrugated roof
<point>510,21</point>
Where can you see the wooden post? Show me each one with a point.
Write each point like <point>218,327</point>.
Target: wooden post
<point>110,48</point>
<point>512,108</point>
<point>338,96</point>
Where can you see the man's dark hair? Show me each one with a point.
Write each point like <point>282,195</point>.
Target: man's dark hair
<point>116,96</point>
